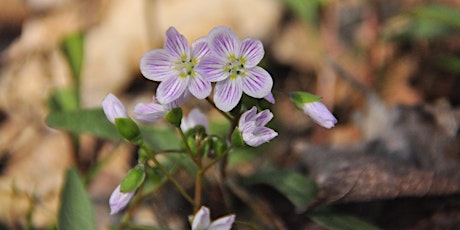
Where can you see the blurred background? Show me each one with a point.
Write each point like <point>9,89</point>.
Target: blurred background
<point>388,70</point>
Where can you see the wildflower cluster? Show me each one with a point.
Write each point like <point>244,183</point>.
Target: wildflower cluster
<point>219,64</point>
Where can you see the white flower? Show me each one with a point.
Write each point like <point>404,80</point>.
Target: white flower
<point>118,200</point>
<point>252,127</point>
<point>113,108</point>
<point>202,221</point>
<point>233,65</point>
<point>320,114</point>
<point>174,67</point>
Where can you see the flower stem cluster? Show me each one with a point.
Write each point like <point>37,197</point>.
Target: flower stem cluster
<point>229,64</point>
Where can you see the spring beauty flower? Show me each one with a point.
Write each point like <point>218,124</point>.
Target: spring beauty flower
<point>252,127</point>
<point>150,112</point>
<point>202,221</point>
<point>118,200</point>
<point>174,67</point>
<point>194,118</point>
<point>320,114</point>
<point>113,108</point>
<point>233,65</point>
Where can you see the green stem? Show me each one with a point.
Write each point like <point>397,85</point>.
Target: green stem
<point>217,159</point>
<point>171,151</point>
<point>184,139</point>
<point>198,189</point>
<point>171,178</point>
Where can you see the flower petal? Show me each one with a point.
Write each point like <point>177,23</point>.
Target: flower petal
<point>202,219</point>
<point>199,87</point>
<point>180,100</point>
<point>263,118</point>
<point>258,136</point>
<point>227,93</point>
<point>224,42</point>
<point>155,65</point>
<point>320,114</point>
<point>269,97</point>
<point>119,200</point>
<point>212,69</point>
<point>247,116</point>
<point>200,48</point>
<point>176,44</point>
<point>252,51</point>
<point>257,82</point>
<point>171,89</point>
<point>149,112</point>
<point>223,223</point>
<point>113,108</point>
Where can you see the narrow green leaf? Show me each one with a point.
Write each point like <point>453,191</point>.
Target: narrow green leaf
<point>307,11</point>
<point>297,188</point>
<point>450,63</point>
<point>160,137</point>
<point>76,211</point>
<point>334,220</point>
<point>65,99</point>
<point>91,121</point>
<point>72,46</point>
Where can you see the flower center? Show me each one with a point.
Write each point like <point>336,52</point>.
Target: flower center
<point>235,67</point>
<point>186,66</point>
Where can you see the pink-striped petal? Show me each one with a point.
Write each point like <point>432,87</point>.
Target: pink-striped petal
<point>263,118</point>
<point>200,48</point>
<point>257,82</point>
<point>227,93</point>
<point>176,44</point>
<point>252,52</point>
<point>118,200</point>
<point>171,89</point>
<point>258,136</point>
<point>180,100</point>
<point>149,112</point>
<point>113,108</point>
<point>212,69</point>
<point>202,219</point>
<point>247,116</point>
<point>269,97</point>
<point>223,223</point>
<point>156,65</point>
<point>224,42</point>
<point>199,87</point>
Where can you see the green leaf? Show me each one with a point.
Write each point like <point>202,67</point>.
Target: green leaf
<point>308,10</point>
<point>424,22</point>
<point>160,137</point>
<point>65,99</point>
<point>72,46</point>
<point>297,188</point>
<point>133,179</point>
<point>76,211</point>
<point>91,121</point>
<point>449,63</point>
<point>334,220</point>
